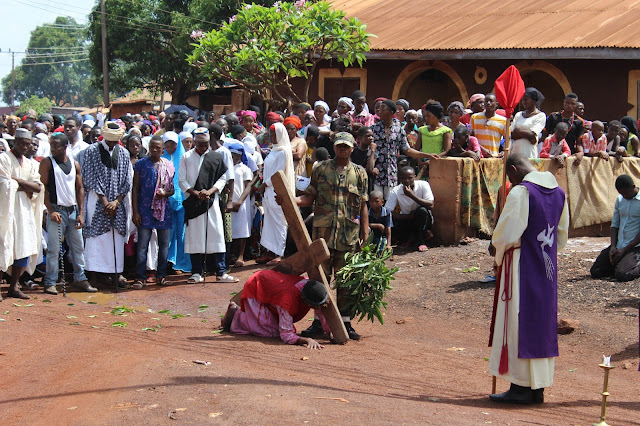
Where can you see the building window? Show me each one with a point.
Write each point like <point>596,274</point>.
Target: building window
<point>332,84</point>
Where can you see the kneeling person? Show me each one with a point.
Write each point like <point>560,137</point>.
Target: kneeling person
<point>416,201</point>
<point>272,302</point>
<point>621,258</point>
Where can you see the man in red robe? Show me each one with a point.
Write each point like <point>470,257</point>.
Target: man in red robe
<point>272,302</point>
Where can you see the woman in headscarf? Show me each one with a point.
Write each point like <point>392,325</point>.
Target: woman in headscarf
<point>631,142</point>
<point>298,145</point>
<point>435,137</point>
<point>528,124</point>
<point>173,151</point>
<point>402,106</point>
<point>274,229</point>
<point>345,106</point>
<point>320,111</point>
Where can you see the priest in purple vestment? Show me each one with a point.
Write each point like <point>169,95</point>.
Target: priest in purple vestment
<point>532,227</point>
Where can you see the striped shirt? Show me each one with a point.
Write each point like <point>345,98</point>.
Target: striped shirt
<point>489,132</point>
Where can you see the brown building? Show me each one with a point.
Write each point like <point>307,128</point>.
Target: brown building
<point>448,51</point>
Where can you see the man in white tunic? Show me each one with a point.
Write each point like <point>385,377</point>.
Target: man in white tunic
<point>532,228</point>
<point>202,175</point>
<point>21,212</point>
<point>107,178</point>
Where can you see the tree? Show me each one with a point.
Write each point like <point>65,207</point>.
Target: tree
<point>39,105</point>
<point>55,66</point>
<point>148,45</point>
<point>262,49</point>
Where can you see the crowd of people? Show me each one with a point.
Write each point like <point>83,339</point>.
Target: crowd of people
<point>135,198</point>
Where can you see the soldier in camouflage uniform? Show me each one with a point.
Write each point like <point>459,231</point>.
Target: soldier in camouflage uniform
<point>339,189</point>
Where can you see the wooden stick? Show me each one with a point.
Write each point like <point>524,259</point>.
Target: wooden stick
<point>313,260</point>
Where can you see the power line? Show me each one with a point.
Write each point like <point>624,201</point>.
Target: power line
<point>62,48</point>
<point>54,63</point>
<point>84,15</point>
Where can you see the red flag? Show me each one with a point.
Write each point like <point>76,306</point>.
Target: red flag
<point>509,89</point>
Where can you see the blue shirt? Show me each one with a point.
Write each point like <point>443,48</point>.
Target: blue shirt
<point>626,217</point>
<point>384,219</point>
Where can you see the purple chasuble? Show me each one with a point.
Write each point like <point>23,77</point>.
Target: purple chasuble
<point>538,317</point>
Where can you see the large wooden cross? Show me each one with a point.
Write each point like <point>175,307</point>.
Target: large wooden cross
<point>309,257</point>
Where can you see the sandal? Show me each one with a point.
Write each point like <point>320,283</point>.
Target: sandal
<point>163,281</point>
<point>238,264</point>
<point>138,285</point>
<point>195,279</point>
<point>151,279</point>
<point>422,248</point>
<point>226,278</point>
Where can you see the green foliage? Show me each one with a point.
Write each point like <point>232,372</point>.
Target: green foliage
<point>262,49</point>
<point>365,280</point>
<point>55,67</point>
<point>39,105</point>
<point>148,42</point>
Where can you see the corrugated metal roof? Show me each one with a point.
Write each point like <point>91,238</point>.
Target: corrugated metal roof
<point>497,24</point>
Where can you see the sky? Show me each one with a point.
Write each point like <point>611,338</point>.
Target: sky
<point>23,16</point>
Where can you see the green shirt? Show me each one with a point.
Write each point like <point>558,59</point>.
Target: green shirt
<point>337,202</point>
<point>433,142</point>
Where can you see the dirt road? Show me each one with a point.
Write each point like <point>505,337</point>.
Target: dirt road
<point>64,362</point>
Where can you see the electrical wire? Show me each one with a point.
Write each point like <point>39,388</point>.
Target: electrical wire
<point>50,10</point>
<point>54,63</point>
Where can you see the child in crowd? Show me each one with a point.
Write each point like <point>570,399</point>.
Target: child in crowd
<point>311,138</point>
<point>364,153</point>
<point>380,220</point>
<point>463,146</point>
<point>555,146</point>
<point>592,143</point>
<point>240,212</point>
<point>321,155</point>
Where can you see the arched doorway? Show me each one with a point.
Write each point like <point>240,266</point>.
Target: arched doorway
<point>549,80</point>
<point>425,80</point>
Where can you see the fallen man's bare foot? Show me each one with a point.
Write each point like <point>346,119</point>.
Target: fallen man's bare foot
<point>225,323</point>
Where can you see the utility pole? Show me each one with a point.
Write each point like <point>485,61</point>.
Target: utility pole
<point>105,64</point>
<point>13,80</point>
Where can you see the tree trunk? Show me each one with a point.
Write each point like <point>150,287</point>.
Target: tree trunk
<point>179,93</point>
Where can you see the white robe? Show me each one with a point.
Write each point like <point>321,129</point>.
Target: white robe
<point>274,228</point>
<point>197,232</point>
<point>21,217</point>
<point>535,373</point>
<point>241,220</point>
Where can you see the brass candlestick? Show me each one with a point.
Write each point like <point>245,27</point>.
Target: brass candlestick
<point>606,366</point>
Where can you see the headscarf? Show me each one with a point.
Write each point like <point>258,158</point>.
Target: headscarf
<point>111,134</point>
<point>323,104</point>
<point>435,108</point>
<point>284,144</point>
<point>249,113</point>
<point>273,117</point>
<point>380,99</point>
<point>189,126</point>
<point>474,98</point>
<point>175,201</point>
<point>236,147</point>
<point>456,105</point>
<point>295,120</point>
<point>534,94</point>
<point>404,104</point>
<point>347,101</point>
<point>185,135</point>
<point>630,123</point>
<point>41,126</point>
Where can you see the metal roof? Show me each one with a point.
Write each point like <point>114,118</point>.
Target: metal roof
<point>419,25</point>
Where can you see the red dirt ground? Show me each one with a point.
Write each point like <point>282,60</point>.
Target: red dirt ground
<point>66,364</point>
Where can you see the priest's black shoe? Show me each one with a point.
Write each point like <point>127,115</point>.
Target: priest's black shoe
<point>538,396</point>
<point>515,395</point>
<point>351,332</point>
<point>314,330</point>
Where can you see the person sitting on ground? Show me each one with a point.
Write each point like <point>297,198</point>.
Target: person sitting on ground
<point>555,146</point>
<point>463,145</point>
<point>592,143</point>
<point>272,302</point>
<point>416,202</point>
<point>621,258</point>
<point>380,220</point>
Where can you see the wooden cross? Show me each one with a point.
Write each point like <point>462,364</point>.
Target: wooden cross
<point>309,257</point>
